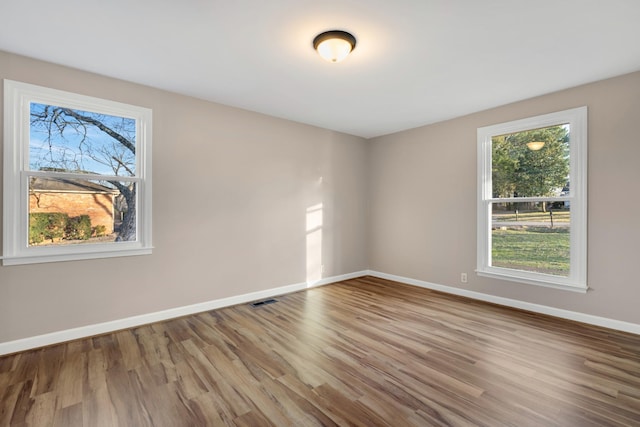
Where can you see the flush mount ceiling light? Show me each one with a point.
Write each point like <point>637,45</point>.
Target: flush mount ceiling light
<point>535,145</point>
<point>334,45</point>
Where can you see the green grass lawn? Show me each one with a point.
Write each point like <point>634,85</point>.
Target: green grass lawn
<point>539,249</point>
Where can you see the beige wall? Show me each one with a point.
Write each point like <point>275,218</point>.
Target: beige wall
<point>231,191</point>
<point>423,201</point>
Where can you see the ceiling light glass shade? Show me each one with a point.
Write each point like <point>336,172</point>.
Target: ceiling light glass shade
<point>535,145</point>
<point>334,46</point>
<point>334,50</point>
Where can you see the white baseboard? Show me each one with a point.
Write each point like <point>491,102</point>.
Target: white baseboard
<point>130,322</point>
<point>536,308</point>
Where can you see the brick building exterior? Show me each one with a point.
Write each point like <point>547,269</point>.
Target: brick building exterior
<point>73,197</point>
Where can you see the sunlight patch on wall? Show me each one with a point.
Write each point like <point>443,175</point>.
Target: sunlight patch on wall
<point>314,243</point>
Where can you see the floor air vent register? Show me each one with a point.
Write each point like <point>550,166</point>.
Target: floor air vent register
<point>263,302</point>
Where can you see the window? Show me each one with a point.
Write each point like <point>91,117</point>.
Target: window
<point>532,207</point>
<point>77,176</point>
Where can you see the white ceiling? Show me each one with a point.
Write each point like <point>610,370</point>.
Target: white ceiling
<point>416,61</point>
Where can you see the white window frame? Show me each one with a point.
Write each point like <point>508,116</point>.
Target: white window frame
<point>577,278</point>
<point>17,99</point>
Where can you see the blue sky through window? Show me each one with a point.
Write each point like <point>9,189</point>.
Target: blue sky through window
<point>69,140</point>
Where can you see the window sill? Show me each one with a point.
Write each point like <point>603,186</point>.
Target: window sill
<point>534,281</point>
<point>37,259</point>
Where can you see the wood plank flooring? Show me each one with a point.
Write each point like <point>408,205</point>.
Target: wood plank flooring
<point>364,352</point>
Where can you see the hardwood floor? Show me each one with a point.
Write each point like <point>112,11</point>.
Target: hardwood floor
<point>364,352</point>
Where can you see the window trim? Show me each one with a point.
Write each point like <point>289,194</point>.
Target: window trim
<point>577,279</point>
<point>17,99</point>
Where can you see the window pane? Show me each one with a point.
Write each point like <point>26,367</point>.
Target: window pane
<point>76,211</point>
<point>531,237</point>
<point>532,163</point>
<point>66,140</point>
